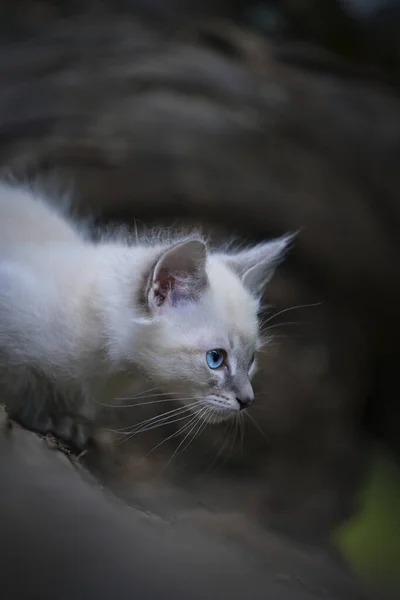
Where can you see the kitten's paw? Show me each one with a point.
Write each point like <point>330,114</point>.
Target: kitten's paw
<point>75,432</point>
<point>71,430</point>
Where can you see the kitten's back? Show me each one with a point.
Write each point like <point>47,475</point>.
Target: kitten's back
<point>26,217</point>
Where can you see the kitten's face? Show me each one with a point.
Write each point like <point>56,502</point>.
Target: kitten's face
<point>206,349</point>
<point>203,347</point>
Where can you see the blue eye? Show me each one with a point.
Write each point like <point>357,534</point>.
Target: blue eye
<point>215,358</point>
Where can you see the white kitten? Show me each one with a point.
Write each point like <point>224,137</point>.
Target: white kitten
<point>80,319</point>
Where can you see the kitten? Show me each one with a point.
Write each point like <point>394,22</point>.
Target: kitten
<point>80,319</point>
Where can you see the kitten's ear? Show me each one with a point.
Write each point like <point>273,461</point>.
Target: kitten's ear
<point>255,266</point>
<point>179,275</point>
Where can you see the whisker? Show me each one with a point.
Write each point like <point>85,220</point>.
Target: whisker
<point>164,415</point>
<point>139,397</point>
<point>163,400</point>
<point>161,415</point>
<point>160,420</point>
<point>221,449</point>
<point>141,393</point>
<point>155,426</point>
<point>242,426</point>
<point>285,310</point>
<point>256,425</point>
<point>273,342</point>
<point>231,446</point>
<point>143,396</point>
<point>137,403</point>
<point>204,421</point>
<point>198,417</point>
<point>284,324</point>
<point>170,437</point>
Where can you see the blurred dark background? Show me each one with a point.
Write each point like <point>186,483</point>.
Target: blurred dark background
<point>364,31</point>
<point>252,119</point>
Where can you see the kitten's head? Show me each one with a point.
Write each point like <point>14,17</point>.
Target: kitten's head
<point>205,308</point>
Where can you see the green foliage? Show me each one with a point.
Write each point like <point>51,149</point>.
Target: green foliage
<point>370,541</point>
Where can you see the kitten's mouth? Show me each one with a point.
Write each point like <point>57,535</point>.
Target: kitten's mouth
<point>220,409</point>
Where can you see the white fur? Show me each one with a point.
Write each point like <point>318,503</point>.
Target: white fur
<point>69,312</point>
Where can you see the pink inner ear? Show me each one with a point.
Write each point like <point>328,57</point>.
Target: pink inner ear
<point>179,275</point>
<point>171,287</point>
<point>162,286</point>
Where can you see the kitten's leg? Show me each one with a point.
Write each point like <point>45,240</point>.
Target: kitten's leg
<point>71,429</point>
<point>39,408</point>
